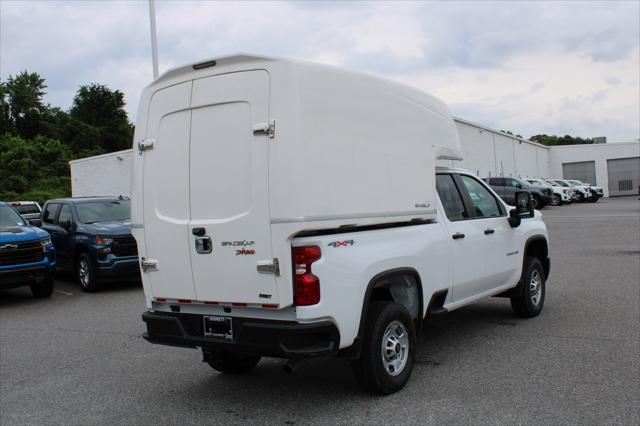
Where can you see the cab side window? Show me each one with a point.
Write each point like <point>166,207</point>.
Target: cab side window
<point>451,198</point>
<point>484,203</point>
<point>50,213</point>
<point>514,183</point>
<point>65,215</point>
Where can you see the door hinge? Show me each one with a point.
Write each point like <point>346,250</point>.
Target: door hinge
<point>148,265</point>
<point>144,145</point>
<point>266,128</point>
<point>269,266</point>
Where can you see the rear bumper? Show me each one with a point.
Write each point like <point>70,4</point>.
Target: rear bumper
<point>124,269</point>
<point>280,339</point>
<point>18,277</point>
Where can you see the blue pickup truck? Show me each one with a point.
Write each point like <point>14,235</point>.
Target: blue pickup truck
<point>92,237</point>
<point>27,257</point>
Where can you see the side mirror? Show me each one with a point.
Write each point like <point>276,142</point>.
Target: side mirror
<point>514,218</point>
<point>35,222</point>
<point>524,209</point>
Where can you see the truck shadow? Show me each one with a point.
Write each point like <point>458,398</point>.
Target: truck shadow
<point>324,381</point>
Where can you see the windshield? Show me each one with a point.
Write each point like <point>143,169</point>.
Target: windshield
<point>575,182</point>
<point>104,211</point>
<point>537,183</point>
<point>552,183</point>
<point>10,218</point>
<point>561,183</point>
<point>522,182</point>
<point>27,209</point>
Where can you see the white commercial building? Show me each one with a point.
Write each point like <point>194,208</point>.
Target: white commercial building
<point>613,166</point>
<point>487,152</point>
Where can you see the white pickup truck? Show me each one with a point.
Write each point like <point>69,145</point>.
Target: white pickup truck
<point>293,210</point>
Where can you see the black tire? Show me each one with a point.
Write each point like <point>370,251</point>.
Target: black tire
<point>581,197</point>
<point>370,369</point>
<point>536,202</point>
<point>530,300</point>
<point>230,363</point>
<point>86,274</point>
<point>42,290</point>
<point>556,200</point>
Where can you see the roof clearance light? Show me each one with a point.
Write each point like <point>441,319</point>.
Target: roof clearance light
<point>204,65</point>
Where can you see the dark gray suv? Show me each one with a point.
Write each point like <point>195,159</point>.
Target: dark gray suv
<point>506,188</point>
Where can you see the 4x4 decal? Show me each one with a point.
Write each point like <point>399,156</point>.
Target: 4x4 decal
<point>343,243</point>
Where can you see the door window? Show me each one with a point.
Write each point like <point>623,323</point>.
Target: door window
<point>515,184</point>
<point>451,198</point>
<point>484,203</point>
<point>65,215</point>
<point>50,213</point>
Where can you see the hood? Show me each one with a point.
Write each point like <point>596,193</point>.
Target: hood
<point>16,234</point>
<point>109,228</point>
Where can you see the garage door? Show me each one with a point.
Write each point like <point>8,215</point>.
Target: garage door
<point>584,171</point>
<point>624,176</point>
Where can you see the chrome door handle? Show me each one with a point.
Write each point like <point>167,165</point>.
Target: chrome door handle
<point>204,245</point>
<point>488,231</point>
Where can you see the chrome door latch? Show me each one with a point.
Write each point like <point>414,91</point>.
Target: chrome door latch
<point>266,128</point>
<point>269,266</point>
<point>148,265</point>
<point>144,145</point>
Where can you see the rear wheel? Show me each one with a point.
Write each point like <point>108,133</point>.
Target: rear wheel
<point>86,275</point>
<point>530,301</point>
<point>386,361</point>
<point>230,363</point>
<point>42,290</point>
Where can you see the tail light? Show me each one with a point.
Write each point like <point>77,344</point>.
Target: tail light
<point>306,286</point>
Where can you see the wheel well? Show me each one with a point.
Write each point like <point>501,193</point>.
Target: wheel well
<point>537,247</point>
<point>401,285</point>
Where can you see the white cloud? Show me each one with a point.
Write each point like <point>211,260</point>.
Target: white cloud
<point>531,67</point>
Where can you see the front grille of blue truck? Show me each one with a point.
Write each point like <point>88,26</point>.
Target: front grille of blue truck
<point>12,254</point>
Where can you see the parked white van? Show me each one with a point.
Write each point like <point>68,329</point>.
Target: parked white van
<point>294,210</point>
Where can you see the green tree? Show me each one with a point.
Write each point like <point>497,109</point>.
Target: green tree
<point>552,140</point>
<point>35,169</point>
<point>6,124</point>
<point>23,96</point>
<point>512,134</point>
<point>98,106</point>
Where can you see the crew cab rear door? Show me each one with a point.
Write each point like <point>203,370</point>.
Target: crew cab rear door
<point>229,193</point>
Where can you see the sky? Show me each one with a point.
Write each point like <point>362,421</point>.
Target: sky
<point>529,67</point>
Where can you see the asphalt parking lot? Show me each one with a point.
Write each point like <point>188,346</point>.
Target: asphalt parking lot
<point>79,359</point>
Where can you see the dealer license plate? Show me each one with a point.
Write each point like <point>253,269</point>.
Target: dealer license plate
<point>219,327</point>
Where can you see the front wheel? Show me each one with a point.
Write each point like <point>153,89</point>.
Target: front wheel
<point>42,290</point>
<point>86,273</point>
<point>556,200</point>
<point>386,360</point>
<point>528,303</point>
<point>230,363</point>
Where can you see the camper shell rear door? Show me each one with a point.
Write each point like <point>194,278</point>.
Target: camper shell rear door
<point>229,189</point>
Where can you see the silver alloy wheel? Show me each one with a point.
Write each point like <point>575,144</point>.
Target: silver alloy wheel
<point>395,348</point>
<point>84,273</point>
<point>555,200</point>
<point>535,287</point>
